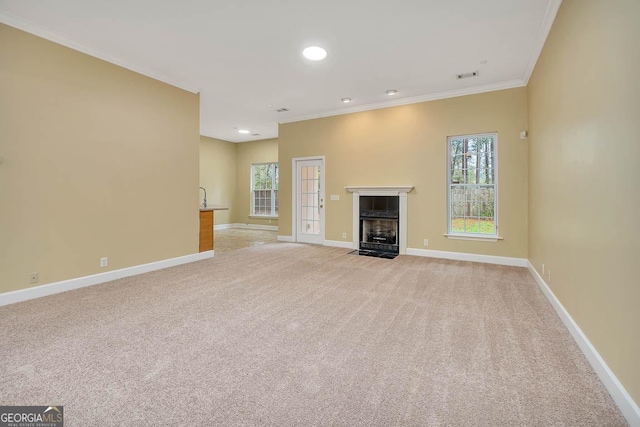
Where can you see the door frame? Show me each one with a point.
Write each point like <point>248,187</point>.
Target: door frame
<point>294,195</point>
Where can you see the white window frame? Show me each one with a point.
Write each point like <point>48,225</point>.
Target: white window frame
<point>469,235</point>
<point>274,188</point>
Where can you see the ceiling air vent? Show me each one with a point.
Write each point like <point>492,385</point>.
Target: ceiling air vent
<point>255,134</point>
<point>466,75</point>
<point>282,110</point>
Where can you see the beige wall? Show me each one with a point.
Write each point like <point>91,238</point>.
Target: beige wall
<point>584,199</point>
<point>264,151</point>
<point>218,176</point>
<point>407,145</point>
<point>97,161</point>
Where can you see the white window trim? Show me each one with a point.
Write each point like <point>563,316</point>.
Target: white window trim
<point>474,236</point>
<point>252,213</point>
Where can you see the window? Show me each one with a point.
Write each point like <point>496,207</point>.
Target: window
<point>264,187</point>
<point>472,185</point>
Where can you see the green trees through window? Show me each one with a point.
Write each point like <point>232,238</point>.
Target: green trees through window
<point>472,184</point>
<point>264,186</point>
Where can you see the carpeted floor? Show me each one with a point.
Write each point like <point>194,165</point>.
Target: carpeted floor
<point>231,239</point>
<point>285,334</point>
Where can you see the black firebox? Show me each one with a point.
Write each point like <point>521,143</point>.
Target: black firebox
<point>379,217</point>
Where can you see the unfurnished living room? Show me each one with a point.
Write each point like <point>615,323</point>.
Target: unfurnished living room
<point>296,213</point>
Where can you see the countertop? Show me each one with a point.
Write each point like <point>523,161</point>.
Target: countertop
<point>213,208</point>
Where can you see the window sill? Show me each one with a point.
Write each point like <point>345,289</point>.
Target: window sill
<point>263,217</point>
<point>473,237</point>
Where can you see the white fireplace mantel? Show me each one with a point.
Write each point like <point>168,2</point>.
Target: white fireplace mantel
<point>381,190</point>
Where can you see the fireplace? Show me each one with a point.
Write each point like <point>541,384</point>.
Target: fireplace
<point>380,219</point>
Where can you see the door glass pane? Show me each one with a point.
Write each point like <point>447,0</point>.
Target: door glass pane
<point>309,198</point>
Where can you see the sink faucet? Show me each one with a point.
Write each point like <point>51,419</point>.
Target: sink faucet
<point>204,204</point>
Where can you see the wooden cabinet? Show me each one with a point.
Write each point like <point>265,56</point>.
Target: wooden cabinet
<point>206,230</point>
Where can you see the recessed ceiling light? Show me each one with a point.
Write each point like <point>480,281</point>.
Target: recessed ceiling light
<point>314,53</point>
<point>243,131</point>
<point>392,92</point>
<point>345,100</point>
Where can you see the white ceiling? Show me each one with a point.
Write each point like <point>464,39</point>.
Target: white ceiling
<point>245,57</point>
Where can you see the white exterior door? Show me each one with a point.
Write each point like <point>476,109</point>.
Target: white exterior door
<point>309,183</point>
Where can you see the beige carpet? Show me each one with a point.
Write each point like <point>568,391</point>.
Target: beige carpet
<point>284,334</point>
<point>231,239</point>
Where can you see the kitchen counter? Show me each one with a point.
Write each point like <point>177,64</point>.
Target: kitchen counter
<point>213,208</point>
<point>206,226</point>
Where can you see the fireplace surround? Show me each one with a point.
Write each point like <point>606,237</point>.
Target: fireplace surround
<point>381,224</point>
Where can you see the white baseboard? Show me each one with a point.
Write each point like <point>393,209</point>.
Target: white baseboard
<point>285,238</point>
<point>246,226</point>
<point>620,396</point>
<point>95,279</point>
<point>223,226</point>
<point>257,227</point>
<point>461,256</point>
<point>339,244</point>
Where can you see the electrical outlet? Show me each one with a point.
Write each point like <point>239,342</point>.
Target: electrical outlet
<point>543,269</point>
<point>344,235</point>
<point>104,262</point>
<point>34,277</point>
<point>426,242</point>
<point>269,221</point>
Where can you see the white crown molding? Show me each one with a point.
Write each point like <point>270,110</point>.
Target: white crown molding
<point>545,28</point>
<point>411,100</point>
<point>619,394</point>
<point>39,31</point>
<point>462,256</point>
<point>338,244</point>
<point>95,279</point>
